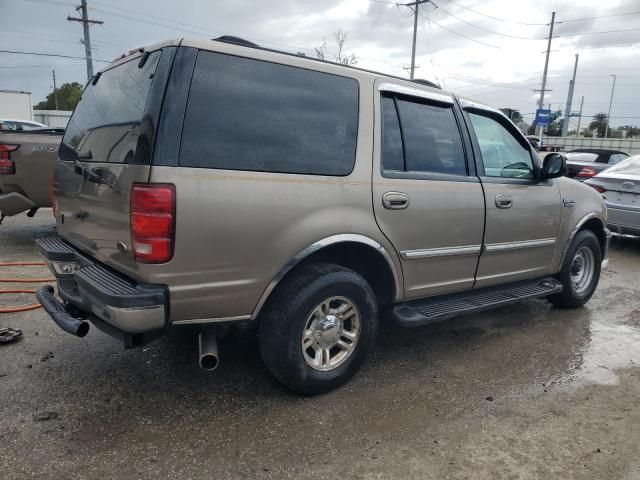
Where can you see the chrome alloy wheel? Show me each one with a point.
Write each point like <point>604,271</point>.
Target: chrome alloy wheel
<point>331,333</point>
<point>582,270</point>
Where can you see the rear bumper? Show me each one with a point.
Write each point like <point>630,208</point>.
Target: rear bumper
<point>14,203</point>
<point>110,300</point>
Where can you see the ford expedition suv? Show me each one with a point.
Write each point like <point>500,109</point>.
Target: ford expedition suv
<point>209,182</point>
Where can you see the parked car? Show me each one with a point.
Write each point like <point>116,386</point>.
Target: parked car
<point>209,183</point>
<point>620,186</point>
<point>585,163</point>
<point>27,160</point>
<point>13,124</point>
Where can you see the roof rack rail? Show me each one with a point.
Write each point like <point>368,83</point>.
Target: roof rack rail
<point>246,43</point>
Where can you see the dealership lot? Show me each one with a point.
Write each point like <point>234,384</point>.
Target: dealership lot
<point>526,391</point>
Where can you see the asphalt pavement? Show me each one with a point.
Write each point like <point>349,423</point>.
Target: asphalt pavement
<point>524,392</point>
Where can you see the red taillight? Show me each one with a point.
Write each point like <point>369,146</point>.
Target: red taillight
<point>7,166</point>
<point>153,208</point>
<point>587,172</point>
<point>598,188</point>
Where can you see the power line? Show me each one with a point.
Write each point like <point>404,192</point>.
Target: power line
<point>598,33</point>
<point>493,32</point>
<point>496,18</point>
<point>461,35</point>
<point>49,55</point>
<point>601,16</point>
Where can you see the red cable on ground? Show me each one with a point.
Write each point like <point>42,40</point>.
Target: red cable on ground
<point>22,308</point>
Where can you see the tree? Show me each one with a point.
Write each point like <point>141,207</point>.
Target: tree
<point>68,97</point>
<point>341,38</point>
<point>599,124</point>
<point>554,129</point>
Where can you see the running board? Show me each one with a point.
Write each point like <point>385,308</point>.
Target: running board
<point>436,309</point>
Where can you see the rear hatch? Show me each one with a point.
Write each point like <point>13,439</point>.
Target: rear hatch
<point>107,147</point>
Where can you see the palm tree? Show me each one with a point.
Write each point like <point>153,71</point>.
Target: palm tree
<point>599,123</point>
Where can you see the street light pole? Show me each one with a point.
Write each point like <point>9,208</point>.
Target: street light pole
<point>613,88</point>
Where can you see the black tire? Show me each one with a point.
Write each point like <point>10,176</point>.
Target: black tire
<point>569,297</point>
<point>285,317</point>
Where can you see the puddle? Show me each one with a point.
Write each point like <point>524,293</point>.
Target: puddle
<point>614,339</point>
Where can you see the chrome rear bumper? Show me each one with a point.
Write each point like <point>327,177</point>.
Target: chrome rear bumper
<point>104,296</point>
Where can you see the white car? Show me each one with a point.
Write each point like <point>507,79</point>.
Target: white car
<point>14,124</point>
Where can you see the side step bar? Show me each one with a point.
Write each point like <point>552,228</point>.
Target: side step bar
<point>431,310</point>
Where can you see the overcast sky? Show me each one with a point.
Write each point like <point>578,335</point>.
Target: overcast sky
<point>490,50</point>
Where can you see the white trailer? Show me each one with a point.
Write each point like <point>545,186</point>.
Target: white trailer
<point>16,105</point>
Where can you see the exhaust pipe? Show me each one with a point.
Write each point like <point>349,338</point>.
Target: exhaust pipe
<point>59,314</point>
<point>208,348</point>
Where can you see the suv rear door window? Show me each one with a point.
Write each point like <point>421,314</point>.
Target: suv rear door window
<point>427,135</point>
<point>108,119</point>
<point>246,114</point>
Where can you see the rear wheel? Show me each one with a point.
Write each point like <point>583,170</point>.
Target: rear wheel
<point>318,328</point>
<point>580,271</point>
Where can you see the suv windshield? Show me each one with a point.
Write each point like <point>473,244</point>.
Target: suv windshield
<point>105,126</point>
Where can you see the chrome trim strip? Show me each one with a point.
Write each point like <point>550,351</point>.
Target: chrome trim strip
<point>508,246</point>
<point>441,252</point>
<point>415,92</point>
<point>340,238</point>
<point>203,321</point>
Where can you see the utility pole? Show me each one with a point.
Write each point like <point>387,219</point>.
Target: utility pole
<point>415,34</point>
<point>55,89</point>
<point>546,67</point>
<point>613,88</point>
<point>567,111</point>
<point>580,117</point>
<point>87,38</point>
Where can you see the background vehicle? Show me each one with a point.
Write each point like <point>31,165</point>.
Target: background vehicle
<point>13,124</point>
<point>620,186</point>
<point>205,183</point>
<point>27,160</point>
<point>585,163</point>
<point>16,104</point>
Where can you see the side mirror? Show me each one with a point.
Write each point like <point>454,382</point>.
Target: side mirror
<point>554,166</point>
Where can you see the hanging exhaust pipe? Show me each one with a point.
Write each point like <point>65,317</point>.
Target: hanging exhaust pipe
<point>208,348</point>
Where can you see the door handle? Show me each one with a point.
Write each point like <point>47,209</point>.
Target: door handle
<point>395,200</point>
<point>504,200</point>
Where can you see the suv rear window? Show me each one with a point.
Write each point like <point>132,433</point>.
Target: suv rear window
<point>107,121</point>
<point>245,114</point>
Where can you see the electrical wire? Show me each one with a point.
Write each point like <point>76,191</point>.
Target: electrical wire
<point>493,32</point>
<point>458,33</point>
<point>51,55</point>
<point>497,18</point>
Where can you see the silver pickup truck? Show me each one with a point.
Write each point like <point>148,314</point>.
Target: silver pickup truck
<point>209,182</point>
<point>27,161</point>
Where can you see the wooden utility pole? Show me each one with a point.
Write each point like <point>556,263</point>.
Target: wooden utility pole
<point>546,67</point>
<point>55,90</point>
<point>87,37</point>
<point>415,6</point>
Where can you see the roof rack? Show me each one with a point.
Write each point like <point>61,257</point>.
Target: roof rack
<point>246,43</point>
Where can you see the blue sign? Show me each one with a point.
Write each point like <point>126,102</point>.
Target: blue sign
<point>543,116</point>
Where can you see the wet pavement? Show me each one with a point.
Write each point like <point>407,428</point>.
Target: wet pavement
<point>523,392</point>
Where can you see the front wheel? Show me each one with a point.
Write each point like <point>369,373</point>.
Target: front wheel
<point>580,271</point>
<point>318,328</point>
